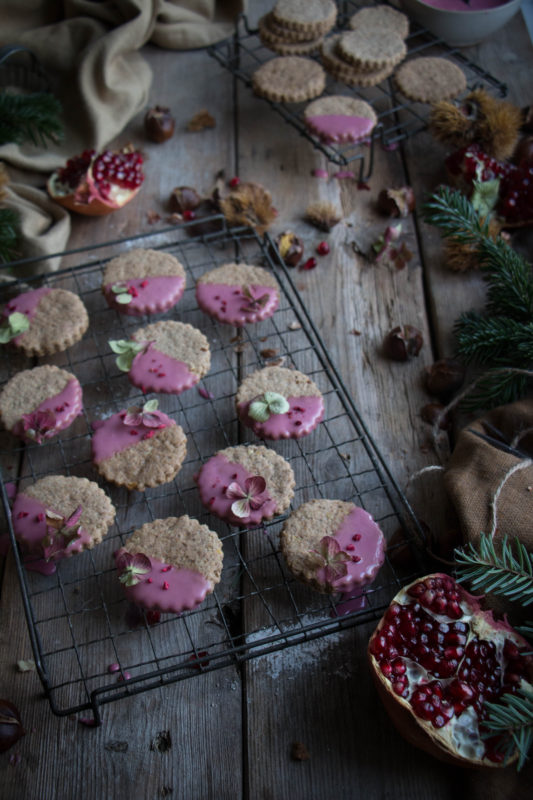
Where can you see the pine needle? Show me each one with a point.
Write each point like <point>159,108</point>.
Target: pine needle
<point>512,718</point>
<point>8,234</point>
<point>30,117</point>
<point>510,570</point>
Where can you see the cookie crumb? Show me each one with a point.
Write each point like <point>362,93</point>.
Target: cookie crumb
<point>299,752</point>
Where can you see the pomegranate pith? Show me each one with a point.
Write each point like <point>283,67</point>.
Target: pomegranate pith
<point>437,658</point>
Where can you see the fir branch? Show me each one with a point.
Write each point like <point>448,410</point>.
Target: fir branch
<point>8,234</point>
<point>499,340</point>
<point>527,631</point>
<point>508,573</point>
<point>496,387</point>
<point>512,718</point>
<point>30,117</point>
<point>454,215</point>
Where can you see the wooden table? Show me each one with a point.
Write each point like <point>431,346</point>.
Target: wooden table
<point>231,730</point>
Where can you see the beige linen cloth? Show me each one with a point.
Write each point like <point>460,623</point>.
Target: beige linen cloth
<point>90,53</point>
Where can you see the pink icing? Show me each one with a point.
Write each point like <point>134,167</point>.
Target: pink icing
<point>25,304</point>
<point>348,603</point>
<point>112,436</point>
<point>168,588</point>
<point>29,524</point>
<point>154,371</point>
<point>151,295</point>
<point>459,5</point>
<point>66,406</point>
<point>368,549</point>
<point>302,417</point>
<point>340,127</point>
<point>320,173</point>
<point>214,478</point>
<point>343,174</point>
<point>228,303</point>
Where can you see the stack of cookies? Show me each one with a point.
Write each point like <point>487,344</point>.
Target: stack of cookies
<point>297,27</point>
<point>370,50</point>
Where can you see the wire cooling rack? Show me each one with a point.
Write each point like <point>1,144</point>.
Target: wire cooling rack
<point>398,118</point>
<point>78,619</point>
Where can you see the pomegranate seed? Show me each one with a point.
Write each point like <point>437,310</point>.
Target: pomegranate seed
<point>234,182</point>
<point>322,249</point>
<point>309,264</point>
<point>189,215</point>
<point>166,585</point>
<point>386,669</point>
<point>356,538</point>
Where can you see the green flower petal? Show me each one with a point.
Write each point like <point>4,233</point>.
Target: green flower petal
<point>123,298</point>
<point>259,411</point>
<point>150,405</point>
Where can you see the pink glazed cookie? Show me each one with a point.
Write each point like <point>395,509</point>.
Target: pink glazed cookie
<point>279,403</point>
<point>170,564</point>
<point>59,516</point>
<point>338,118</point>
<point>246,484</point>
<point>238,294</point>
<point>138,447</point>
<point>36,404</point>
<point>332,545</point>
<point>166,357</point>
<point>143,282</point>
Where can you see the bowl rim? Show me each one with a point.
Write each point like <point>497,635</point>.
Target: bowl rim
<point>467,10</point>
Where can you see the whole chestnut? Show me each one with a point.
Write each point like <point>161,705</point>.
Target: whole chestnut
<point>402,342</point>
<point>159,124</point>
<point>444,377</point>
<point>11,728</point>
<point>184,198</point>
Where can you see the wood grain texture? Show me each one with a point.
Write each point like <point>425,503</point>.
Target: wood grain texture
<point>232,731</point>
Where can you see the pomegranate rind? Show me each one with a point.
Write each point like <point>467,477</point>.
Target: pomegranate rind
<point>417,731</point>
<point>86,200</point>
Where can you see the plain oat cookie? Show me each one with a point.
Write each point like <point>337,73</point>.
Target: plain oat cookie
<point>289,79</point>
<point>343,71</point>
<point>170,564</point>
<point>381,18</point>
<point>371,49</point>
<point>428,80</point>
<point>312,16</point>
<point>332,545</point>
<point>246,484</point>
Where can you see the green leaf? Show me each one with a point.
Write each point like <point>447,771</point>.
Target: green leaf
<point>127,350</point>
<point>151,405</point>
<point>119,345</point>
<point>123,298</point>
<point>277,404</point>
<point>259,411</point>
<point>12,326</point>
<point>124,362</point>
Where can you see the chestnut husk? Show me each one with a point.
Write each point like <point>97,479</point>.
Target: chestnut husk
<point>396,202</point>
<point>402,343</point>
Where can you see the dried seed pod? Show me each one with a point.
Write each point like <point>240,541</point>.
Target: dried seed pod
<point>159,124</point>
<point>402,343</point>
<point>323,216</point>
<point>444,378</point>
<point>397,202</point>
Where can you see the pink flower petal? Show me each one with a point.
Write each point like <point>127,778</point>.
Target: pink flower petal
<point>133,416</point>
<point>235,492</point>
<point>152,419</point>
<point>241,508</point>
<point>255,485</point>
<point>74,519</point>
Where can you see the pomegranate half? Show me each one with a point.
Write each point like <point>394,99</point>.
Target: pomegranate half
<point>97,183</point>
<point>436,657</point>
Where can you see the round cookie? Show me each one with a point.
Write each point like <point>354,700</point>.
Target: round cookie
<point>314,16</point>
<point>338,118</point>
<point>332,545</point>
<point>342,71</point>
<point>166,357</point>
<point>238,294</point>
<point>289,79</point>
<point>38,403</point>
<point>59,516</point>
<point>381,18</point>
<point>143,282</point>
<point>371,49</point>
<point>139,447</point>
<point>429,79</point>
<point>280,34</point>
<point>246,484</point>
<point>170,564</point>
<point>279,403</point>
<point>54,320</point>
<point>286,47</point>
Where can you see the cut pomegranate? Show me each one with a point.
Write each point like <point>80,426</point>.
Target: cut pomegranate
<point>436,658</point>
<point>97,183</point>
<point>515,202</point>
<point>471,164</point>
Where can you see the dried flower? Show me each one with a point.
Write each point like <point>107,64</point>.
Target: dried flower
<point>332,561</point>
<point>267,404</point>
<point>148,415</point>
<point>201,120</point>
<point>323,216</point>
<point>397,202</point>
<point>387,252</point>
<point>131,566</point>
<point>60,532</point>
<point>39,425</point>
<point>249,498</point>
<point>253,303</point>
<point>12,326</point>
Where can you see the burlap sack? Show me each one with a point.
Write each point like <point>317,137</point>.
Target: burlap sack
<point>477,468</point>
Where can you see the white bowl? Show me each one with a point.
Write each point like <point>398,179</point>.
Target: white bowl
<point>460,28</point>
